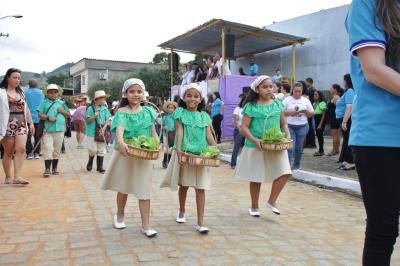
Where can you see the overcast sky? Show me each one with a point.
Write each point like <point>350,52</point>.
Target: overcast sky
<point>52,33</point>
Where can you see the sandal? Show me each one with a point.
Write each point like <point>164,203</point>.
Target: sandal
<point>348,168</point>
<point>20,181</point>
<point>9,180</point>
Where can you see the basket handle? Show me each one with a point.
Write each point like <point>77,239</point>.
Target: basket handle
<point>191,130</point>
<point>267,117</point>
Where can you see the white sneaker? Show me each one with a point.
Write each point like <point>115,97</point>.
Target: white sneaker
<point>29,156</point>
<point>118,225</point>
<point>273,209</point>
<point>180,220</point>
<point>254,213</point>
<point>37,156</point>
<point>149,232</point>
<point>202,229</point>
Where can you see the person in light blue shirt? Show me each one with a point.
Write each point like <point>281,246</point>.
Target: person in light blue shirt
<point>217,115</point>
<point>34,97</point>
<point>373,27</point>
<point>344,108</point>
<point>252,70</point>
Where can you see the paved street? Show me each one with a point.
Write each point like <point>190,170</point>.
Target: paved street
<point>67,220</point>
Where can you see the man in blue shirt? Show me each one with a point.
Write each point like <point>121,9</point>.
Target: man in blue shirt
<point>253,68</point>
<point>34,97</point>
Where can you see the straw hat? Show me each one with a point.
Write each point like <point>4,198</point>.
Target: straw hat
<point>165,106</point>
<point>52,87</point>
<point>100,94</point>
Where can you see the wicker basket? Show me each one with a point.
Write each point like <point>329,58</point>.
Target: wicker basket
<point>278,146</point>
<point>143,153</point>
<point>197,160</point>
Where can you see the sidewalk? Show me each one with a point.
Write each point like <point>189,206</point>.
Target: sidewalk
<point>321,171</point>
<point>67,220</point>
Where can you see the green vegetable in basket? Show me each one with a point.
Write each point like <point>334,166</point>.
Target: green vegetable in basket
<point>274,134</point>
<point>148,143</point>
<point>210,152</point>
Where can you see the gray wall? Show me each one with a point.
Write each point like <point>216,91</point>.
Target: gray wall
<point>325,57</point>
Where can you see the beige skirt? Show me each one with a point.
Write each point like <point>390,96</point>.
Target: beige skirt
<point>186,175</point>
<point>262,166</point>
<point>128,175</point>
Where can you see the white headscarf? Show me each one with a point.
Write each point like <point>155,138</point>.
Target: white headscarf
<point>196,87</point>
<point>130,82</point>
<point>258,81</point>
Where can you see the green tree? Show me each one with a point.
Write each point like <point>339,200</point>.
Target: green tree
<point>61,80</point>
<point>160,58</point>
<point>111,88</point>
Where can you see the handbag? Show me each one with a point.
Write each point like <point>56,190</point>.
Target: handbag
<point>171,138</point>
<point>98,136</point>
<point>40,128</point>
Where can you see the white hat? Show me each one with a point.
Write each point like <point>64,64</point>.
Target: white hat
<point>99,94</point>
<point>52,87</point>
<point>130,82</point>
<point>258,81</point>
<point>196,87</point>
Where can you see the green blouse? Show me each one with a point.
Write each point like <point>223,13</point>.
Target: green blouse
<point>135,124</point>
<point>320,108</point>
<point>199,121</point>
<point>104,114</point>
<point>259,120</point>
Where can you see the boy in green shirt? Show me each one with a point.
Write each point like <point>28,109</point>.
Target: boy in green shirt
<point>54,112</point>
<point>97,114</point>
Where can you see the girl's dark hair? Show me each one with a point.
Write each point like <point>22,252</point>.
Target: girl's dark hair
<point>217,95</point>
<point>123,102</point>
<point>347,79</point>
<point>388,15</point>
<point>337,88</point>
<point>303,85</point>
<point>320,96</point>
<point>210,98</point>
<point>279,86</point>
<point>243,101</point>
<point>4,82</point>
<point>200,107</point>
<point>286,87</point>
<point>299,84</point>
<point>252,97</point>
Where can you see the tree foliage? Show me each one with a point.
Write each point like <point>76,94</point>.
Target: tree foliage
<point>157,82</point>
<point>160,58</point>
<point>61,80</point>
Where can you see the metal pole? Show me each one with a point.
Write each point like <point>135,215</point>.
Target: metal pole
<point>293,63</point>
<point>172,71</point>
<point>223,53</point>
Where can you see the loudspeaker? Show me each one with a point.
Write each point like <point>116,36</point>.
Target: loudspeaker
<point>230,45</point>
<point>175,62</point>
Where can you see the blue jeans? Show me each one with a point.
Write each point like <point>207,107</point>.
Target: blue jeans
<point>298,133</point>
<point>238,144</point>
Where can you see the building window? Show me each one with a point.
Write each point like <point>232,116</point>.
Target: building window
<point>83,80</point>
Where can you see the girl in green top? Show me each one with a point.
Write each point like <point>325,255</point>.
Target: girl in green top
<point>320,117</point>
<point>190,119</point>
<point>261,113</point>
<point>168,126</point>
<point>97,114</point>
<point>130,175</point>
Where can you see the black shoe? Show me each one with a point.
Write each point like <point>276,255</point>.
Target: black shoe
<point>89,165</point>
<point>54,167</point>
<point>164,162</point>
<point>99,162</point>
<point>47,165</point>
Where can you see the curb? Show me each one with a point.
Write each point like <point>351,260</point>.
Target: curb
<point>320,180</point>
